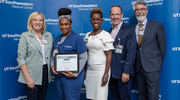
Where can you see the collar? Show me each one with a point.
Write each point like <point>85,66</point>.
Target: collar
<point>118,26</point>
<point>143,23</point>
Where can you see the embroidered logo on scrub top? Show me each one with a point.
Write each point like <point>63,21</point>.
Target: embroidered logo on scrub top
<point>66,46</point>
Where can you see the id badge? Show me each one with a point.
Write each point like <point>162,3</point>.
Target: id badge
<point>44,41</point>
<point>118,49</point>
<point>141,33</point>
<point>86,40</point>
<point>55,51</point>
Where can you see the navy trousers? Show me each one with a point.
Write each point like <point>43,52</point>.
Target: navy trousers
<point>120,90</point>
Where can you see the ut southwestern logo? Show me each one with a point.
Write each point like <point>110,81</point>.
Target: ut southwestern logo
<point>16,37</point>
<point>83,7</point>
<point>124,19</point>
<point>82,34</point>
<point>176,14</point>
<point>50,21</point>
<point>175,81</point>
<point>19,98</point>
<point>11,68</point>
<point>151,2</point>
<point>175,49</point>
<point>19,5</point>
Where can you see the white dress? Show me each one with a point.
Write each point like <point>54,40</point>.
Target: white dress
<point>97,45</point>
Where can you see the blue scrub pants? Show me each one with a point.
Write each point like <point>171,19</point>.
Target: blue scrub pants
<point>69,88</point>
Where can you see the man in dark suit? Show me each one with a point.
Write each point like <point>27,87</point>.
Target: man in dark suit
<point>151,46</point>
<point>123,56</point>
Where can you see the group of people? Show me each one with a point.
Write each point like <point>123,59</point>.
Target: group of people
<point>112,58</point>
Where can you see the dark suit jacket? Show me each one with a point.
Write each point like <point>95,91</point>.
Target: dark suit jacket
<point>124,63</point>
<point>153,47</point>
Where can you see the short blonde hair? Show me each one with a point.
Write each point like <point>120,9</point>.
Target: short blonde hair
<point>31,17</point>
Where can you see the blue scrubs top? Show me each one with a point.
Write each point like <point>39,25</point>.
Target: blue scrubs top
<point>73,43</point>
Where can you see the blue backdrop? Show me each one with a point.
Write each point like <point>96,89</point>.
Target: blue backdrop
<point>13,21</point>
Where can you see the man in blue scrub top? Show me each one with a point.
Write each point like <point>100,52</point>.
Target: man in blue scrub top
<point>69,84</point>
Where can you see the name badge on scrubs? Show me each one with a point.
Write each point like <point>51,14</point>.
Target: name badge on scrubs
<point>119,48</point>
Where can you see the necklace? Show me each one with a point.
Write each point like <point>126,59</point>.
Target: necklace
<point>95,32</point>
<point>94,35</point>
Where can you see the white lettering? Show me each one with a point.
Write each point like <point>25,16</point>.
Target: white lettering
<point>80,6</point>
<point>134,91</point>
<point>151,2</point>
<point>18,3</point>
<point>4,35</point>
<point>175,48</point>
<point>52,20</point>
<point>82,34</point>
<point>19,98</point>
<point>11,35</point>
<point>175,81</point>
<point>107,19</point>
<point>2,1</point>
<point>11,68</point>
<point>176,15</point>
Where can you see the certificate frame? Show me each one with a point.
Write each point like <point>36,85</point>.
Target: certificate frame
<point>67,61</point>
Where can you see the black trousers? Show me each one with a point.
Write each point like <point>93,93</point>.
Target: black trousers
<point>39,92</point>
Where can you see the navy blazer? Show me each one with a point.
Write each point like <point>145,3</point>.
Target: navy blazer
<point>152,50</point>
<point>124,63</point>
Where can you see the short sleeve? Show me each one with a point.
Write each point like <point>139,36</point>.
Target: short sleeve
<point>107,40</point>
<point>80,45</point>
<point>108,46</point>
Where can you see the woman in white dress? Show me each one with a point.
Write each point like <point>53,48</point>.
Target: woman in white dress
<point>100,45</point>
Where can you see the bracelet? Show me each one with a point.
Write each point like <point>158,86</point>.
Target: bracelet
<point>106,76</point>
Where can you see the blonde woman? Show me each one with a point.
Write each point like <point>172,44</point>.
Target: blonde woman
<point>34,52</point>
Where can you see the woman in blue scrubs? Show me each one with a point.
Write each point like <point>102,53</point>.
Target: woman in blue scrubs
<point>69,84</point>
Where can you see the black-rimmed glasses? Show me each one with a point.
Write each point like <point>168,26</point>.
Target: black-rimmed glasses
<point>96,19</point>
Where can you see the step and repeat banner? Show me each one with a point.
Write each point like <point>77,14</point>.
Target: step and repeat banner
<point>13,21</point>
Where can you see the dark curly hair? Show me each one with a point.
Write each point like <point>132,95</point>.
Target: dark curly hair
<point>64,11</point>
<point>96,10</point>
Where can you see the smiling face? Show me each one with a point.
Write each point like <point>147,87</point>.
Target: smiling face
<point>140,12</point>
<point>37,23</point>
<point>65,26</point>
<point>96,21</point>
<point>116,15</point>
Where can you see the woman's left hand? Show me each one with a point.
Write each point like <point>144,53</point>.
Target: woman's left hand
<point>104,80</point>
<point>68,74</point>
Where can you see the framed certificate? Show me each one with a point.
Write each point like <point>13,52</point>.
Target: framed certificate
<point>66,61</point>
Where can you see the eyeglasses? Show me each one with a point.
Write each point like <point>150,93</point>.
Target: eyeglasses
<point>141,9</point>
<point>96,19</point>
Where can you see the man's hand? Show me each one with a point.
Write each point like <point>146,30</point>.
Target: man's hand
<point>125,77</point>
